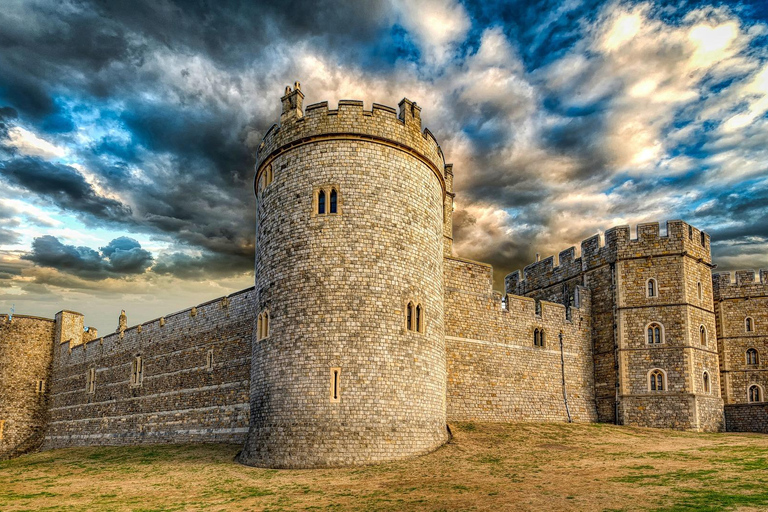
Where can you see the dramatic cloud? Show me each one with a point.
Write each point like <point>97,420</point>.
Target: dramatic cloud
<point>123,256</point>
<point>562,119</point>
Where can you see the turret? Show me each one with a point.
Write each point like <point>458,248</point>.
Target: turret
<point>348,363</point>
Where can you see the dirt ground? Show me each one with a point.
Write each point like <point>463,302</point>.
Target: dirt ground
<point>485,467</point>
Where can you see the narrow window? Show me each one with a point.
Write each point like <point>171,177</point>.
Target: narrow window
<point>39,387</point>
<point>707,387</point>
<point>703,239</point>
<point>538,337</point>
<point>91,385</point>
<point>504,303</point>
<point>209,361</point>
<point>409,316</point>
<point>654,334</point>
<point>699,290</point>
<point>652,288</point>
<point>137,371</point>
<point>749,324</point>
<point>754,393</point>
<point>262,326</point>
<point>657,380</point>
<point>321,203</point>
<point>335,385</point>
<point>690,232</point>
<point>541,338</point>
<point>752,356</point>
<point>333,201</point>
<point>419,319</point>
<point>703,335</point>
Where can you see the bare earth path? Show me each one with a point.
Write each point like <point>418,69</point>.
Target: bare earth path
<point>485,467</point>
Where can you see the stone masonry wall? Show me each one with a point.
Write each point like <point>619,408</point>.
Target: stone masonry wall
<point>26,353</point>
<point>495,373</point>
<point>747,417</point>
<point>179,398</point>
<point>735,300</point>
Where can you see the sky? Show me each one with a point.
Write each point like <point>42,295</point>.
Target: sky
<point>128,130</point>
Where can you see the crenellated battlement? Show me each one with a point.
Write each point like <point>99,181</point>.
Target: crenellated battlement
<point>616,244</point>
<point>400,129</point>
<point>239,302</point>
<point>747,283</point>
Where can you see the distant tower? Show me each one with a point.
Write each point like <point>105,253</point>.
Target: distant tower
<point>348,359</point>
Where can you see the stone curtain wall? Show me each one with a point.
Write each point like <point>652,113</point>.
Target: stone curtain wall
<point>747,417</point>
<point>495,373</point>
<point>179,399</point>
<point>747,296</point>
<point>26,353</point>
<point>336,287</point>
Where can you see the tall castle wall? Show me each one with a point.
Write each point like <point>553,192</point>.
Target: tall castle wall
<point>735,301</point>
<point>617,274</point>
<point>495,371</point>
<point>26,354</point>
<point>335,287</point>
<point>194,384</point>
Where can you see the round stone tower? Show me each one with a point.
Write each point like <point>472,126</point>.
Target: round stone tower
<point>348,352</point>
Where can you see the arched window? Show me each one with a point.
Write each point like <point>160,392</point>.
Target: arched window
<point>419,319</point>
<point>752,356</point>
<point>755,394</point>
<point>656,380</point>
<point>334,196</point>
<point>705,381</point>
<point>655,333</point>
<point>698,286</point>
<point>749,324</point>
<point>538,337</point>
<point>703,335</point>
<point>321,202</point>
<point>409,316</point>
<point>652,288</point>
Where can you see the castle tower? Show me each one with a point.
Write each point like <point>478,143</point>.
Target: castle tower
<point>667,345</point>
<point>741,310</point>
<point>348,361</point>
<point>653,324</point>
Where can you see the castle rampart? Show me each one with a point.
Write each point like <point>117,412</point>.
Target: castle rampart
<point>497,370</point>
<point>652,279</point>
<point>191,385</point>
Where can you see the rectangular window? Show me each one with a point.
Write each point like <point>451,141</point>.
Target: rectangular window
<point>335,385</point>
<point>137,371</point>
<point>209,361</point>
<point>40,387</point>
<point>90,386</point>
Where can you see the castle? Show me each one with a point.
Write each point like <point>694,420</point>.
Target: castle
<point>364,335</point>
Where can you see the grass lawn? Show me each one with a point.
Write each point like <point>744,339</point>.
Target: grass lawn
<point>485,467</point>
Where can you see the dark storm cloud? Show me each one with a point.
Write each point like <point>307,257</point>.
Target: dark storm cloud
<point>64,186</point>
<point>206,266</point>
<point>122,256</point>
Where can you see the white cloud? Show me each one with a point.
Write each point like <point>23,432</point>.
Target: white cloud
<point>27,143</point>
<point>437,25</point>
